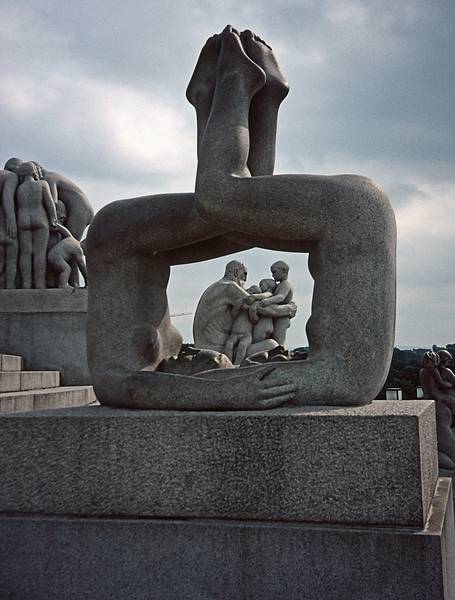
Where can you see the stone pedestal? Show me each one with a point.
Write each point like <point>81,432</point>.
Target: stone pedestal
<point>340,503</point>
<point>47,328</point>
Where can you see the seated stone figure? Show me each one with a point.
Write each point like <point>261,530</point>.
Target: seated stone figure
<point>65,255</point>
<point>437,382</point>
<point>344,222</point>
<point>36,213</point>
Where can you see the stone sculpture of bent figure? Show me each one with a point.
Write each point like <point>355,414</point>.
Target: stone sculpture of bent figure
<point>344,222</point>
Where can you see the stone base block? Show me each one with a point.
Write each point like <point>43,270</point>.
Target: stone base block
<point>148,559</point>
<point>374,465</point>
<point>47,328</point>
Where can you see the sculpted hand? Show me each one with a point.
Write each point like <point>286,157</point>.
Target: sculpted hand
<point>257,392</point>
<point>11,229</point>
<point>264,303</point>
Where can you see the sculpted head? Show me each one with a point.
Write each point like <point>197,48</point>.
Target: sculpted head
<point>12,164</point>
<point>254,289</point>
<point>236,271</point>
<point>430,359</point>
<point>279,270</point>
<point>445,357</point>
<point>27,169</point>
<point>267,285</point>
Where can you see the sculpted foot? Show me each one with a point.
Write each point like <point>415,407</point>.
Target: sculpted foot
<point>202,83</point>
<point>235,65</point>
<point>276,86</point>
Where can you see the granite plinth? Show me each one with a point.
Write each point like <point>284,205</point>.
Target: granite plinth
<point>375,464</point>
<point>47,328</point>
<point>150,559</point>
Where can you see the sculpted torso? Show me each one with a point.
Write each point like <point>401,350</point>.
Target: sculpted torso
<point>213,318</point>
<point>31,211</point>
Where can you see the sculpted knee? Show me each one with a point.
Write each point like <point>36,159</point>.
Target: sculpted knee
<point>102,234</point>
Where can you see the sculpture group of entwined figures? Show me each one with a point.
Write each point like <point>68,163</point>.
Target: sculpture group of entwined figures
<point>438,382</point>
<point>42,219</point>
<point>345,223</point>
<point>245,323</point>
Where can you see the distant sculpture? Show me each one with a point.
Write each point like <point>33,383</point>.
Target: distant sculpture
<point>66,255</point>
<point>238,344</point>
<point>8,230</point>
<point>344,222</point>
<point>35,214</point>
<point>260,320</point>
<point>213,318</point>
<point>438,383</point>
<point>72,209</point>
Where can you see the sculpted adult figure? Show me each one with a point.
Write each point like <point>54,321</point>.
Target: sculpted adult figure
<point>213,317</point>
<point>438,385</point>
<point>79,213</point>
<point>8,229</point>
<point>344,222</point>
<point>36,213</point>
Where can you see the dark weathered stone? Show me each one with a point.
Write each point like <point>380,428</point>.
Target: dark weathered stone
<point>375,464</point>
<point>47,328</point>
<point>147,559</point>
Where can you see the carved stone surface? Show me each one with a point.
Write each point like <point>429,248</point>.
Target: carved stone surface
<point>344,222</point>
<point>36,251</point>
<point>375,464</point>
<point>47,328</point>
<point>51,558</point>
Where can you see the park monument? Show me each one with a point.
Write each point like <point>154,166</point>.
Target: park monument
<point>206,473</point>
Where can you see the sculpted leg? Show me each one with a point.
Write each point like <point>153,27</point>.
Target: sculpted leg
<point>25,258</point>
<point>11,254</point>
<point>346,224</point>
<point>40,239</point>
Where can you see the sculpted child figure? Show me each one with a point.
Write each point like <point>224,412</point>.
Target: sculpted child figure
<point>66,255</point>
<point>36,212</point>
<point>239,342</point>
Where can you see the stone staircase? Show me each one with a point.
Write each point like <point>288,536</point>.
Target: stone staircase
<point>36,390</point>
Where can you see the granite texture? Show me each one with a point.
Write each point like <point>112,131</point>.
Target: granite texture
<point>364,465</point>
<point>147,559</point>
<point>344,222</point>
<point>47,328</point>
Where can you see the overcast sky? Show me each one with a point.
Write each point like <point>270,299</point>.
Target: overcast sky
<point>96,90</point>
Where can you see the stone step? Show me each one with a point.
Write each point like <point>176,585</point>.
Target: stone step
<point>19,381</point>
<point>57,397</point>
<point>11,362</point>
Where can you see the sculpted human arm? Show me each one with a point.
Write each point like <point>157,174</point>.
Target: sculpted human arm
<point>9,190</point>
<point>63,230</point>
<point>49,204</point>
<point>284,289</point>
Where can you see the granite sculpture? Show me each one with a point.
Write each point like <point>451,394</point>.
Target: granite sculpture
<point>344,222</point>
<point>8,230</point>
<point>240,324</point>
<point>438,383</point>
<point>28,233</point>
